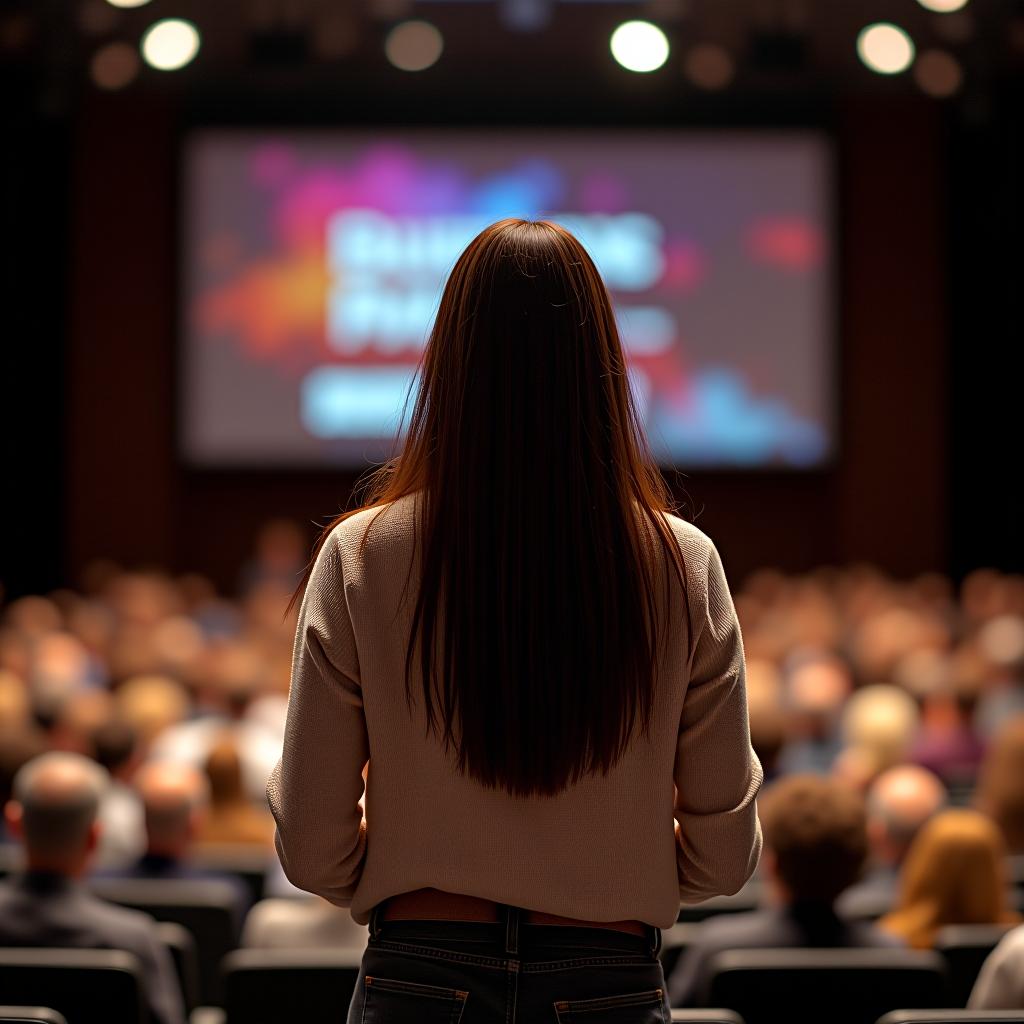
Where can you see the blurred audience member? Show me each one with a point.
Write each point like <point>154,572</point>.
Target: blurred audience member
<point>954,873</point>
<point>53,812</point>
<point>122,835</point>
<point>152,704</point>
<point>232,818</point>
<point>899,802</point>
<point>1000,792</point>
<point>1000,985</point>
<point>174,798</point>
<point>281,552</point>
<point>816,692</point>
<point>946,742</point>
<point>879,726</point>
<point>816,844</point>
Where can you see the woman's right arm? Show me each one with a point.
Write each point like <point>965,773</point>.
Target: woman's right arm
<point>717,774</point>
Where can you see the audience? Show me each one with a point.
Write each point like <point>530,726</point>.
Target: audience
<point>954,873</point>
<point>863,681</point>
<point>816,844</point>
<point>899,802</point>
<point>56,799</point>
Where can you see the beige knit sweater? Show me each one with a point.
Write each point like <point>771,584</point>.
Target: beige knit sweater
<point>674,820</point>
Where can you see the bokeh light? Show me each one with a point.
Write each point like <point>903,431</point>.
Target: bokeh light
<point>942,6</point>
<point>709,66</point>
<point>639,46</point>
<point>127,3</point>
<point>170,44</point>
<point>938,73</point>
<point>885,48</point>
<point>414,45</point>
<point>114,66</point>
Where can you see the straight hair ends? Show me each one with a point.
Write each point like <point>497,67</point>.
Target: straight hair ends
<point>535,638</point>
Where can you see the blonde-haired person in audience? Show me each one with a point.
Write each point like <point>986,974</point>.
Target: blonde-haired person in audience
<point>232,818</point>
<point>880,723</point>
<point>955,873</point>
<point>1000,792</point>
<point>151,704</point>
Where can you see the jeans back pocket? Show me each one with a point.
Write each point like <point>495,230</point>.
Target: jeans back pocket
<point>390,1001</point>
<point>629,1008</point>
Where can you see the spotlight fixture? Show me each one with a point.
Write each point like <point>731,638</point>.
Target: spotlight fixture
<point>639,46</point>
<point>942,6</point>
<point>170,44</point>
<point>885,48</point>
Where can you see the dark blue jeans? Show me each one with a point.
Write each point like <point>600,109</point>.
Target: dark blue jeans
<point>463,972</point>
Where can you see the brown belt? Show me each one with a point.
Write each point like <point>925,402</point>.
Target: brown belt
<point>435,905</point>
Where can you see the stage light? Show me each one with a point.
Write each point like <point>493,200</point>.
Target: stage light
<point>938,74</point>
<point>414,45</point>
<point>127,3</point>
<point>709,66</point>
<point>885,48</point>
<point>639,46</point>
<point>942,6</point>
<point>170,44</point>
<point>114,66</point>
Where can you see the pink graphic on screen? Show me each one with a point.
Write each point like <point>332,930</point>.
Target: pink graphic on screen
<point>313,264</point>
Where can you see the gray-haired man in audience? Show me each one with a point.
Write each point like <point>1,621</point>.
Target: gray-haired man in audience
<point>53,811</point>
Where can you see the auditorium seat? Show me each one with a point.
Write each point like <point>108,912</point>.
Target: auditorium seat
<point>706,1017</point>
<point>953,1017</point>
<point>748,898</point>
<point>674,941</point>
<point>965,947</point>
<point>186,959</point>
<point>205,907</point>
<point>248,865</point>
<point>87,986</point>
<point>30,1015</point>
<point>807,986</point>
<point>260,985</point>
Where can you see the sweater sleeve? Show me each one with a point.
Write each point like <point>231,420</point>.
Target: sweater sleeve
<point>315,789</point>
<point>717,774</point>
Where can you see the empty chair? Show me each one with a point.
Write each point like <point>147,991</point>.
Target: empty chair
<point>186,960</point>
<point>87,986</point>
<point>965,947</point>
<point>263,986</point>
<point>706,1017</point>
<point>205,907</point>
<point>953,1017</point>
<point>30,1015</point>
<point>807,986</point>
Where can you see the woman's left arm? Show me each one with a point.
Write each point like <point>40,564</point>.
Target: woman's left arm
<point>315,789</point>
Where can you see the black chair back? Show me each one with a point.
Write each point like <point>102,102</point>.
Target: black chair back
<point>706,1017</point>
<point>674,943</point>
<point>206,907</point>
<point>260,985</point>
<point>953,1017</point>
<point>965,947</point>
<point>30,1015</point>
<point>87,986</point>
<point>807,986</point>
<point>186,960</point>
<point>245,863</point>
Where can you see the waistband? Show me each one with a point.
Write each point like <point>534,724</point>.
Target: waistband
<point>512,933</point>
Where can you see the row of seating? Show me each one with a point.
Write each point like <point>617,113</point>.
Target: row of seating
<point>848,986</point>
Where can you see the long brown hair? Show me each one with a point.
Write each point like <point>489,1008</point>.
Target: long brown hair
<point>955,873</point>
<point>536,621</point>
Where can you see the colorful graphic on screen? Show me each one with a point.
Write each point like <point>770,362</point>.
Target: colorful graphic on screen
<point>313,264</point>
